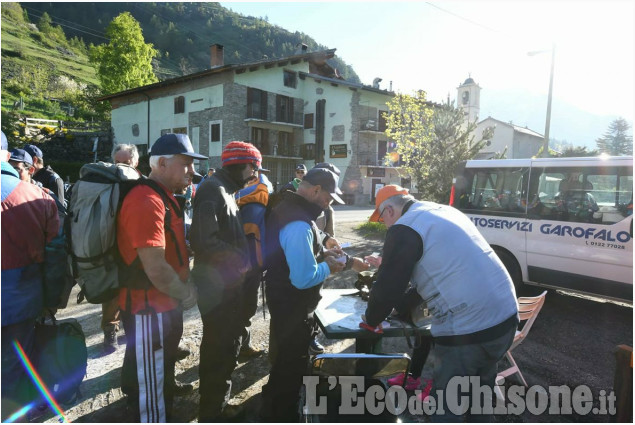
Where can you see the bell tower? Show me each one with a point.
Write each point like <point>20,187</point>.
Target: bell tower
<point>468,98</point>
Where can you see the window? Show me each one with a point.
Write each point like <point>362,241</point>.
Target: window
<point>307,151</point>
<point>585,195</point>
<point>260,139</point>
<point>165,131</point>
<point>496,189</point>
<point>215,131</point>
<point>179,130</point>
<point>290,79</point>
<point>256,104</point>
<point>285,144</point>
<point>308,121</point>
<point>382,120</point>
<point>382,150</point>
<point>284,109</point>
<point>179,104</point>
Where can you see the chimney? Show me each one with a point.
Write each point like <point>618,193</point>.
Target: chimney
<point>300,48</point>
<point>216,55</point>
<point>376,82</point>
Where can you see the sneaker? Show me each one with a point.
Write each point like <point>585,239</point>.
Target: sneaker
<point>181,353</point>
<point>110,341</point>
<point>181,388</point>
<point>315,347</point>
<point>411,382</point>
<point>247,352</point>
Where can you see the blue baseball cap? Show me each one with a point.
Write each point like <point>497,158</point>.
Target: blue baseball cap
<point>174,144</point>
<point>33,151</point>
<point>20,155</point>
<point>5,142</point>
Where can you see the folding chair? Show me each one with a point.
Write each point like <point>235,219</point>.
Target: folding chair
<point>376,370</point>
<point>528,309</point>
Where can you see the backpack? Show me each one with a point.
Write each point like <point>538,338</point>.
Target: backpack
<point>57,270</point>
<point>61,356</point>
<point>253,201</point>
<point>95,201</point>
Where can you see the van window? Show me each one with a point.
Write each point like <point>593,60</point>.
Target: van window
<point>583,195</point>
<point>499,190</point>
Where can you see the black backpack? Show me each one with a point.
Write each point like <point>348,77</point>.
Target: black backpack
<point>61,356</point>
<point>56,268</point>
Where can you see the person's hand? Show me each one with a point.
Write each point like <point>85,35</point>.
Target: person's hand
<point>373,260</point>
<point>192,297</point>
<point>378,330</point>
<point>359,265</point>
<point>334,265</point>
<point>331,243</point>
<point>333,252</point>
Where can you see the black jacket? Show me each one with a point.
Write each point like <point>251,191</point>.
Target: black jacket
<point>50,180</point>
<point>217,238</point>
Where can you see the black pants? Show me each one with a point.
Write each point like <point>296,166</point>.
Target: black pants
<point>147,375</point>
<point>223,326</point>
<point>250,301</point>
<point>420,355</point>
<point>292,324</point>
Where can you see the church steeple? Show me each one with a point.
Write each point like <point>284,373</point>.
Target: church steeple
<point>469,99</point>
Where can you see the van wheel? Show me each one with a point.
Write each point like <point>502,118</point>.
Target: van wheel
<point>513,269</point>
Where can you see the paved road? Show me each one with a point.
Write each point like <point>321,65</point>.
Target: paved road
<point>346,213</point>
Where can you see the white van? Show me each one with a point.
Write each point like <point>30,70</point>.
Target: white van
<point>563,223</point>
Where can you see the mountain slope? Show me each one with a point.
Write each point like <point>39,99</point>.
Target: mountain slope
<point>183,32</point>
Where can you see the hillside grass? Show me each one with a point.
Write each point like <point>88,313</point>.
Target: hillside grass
<point>19,40</point>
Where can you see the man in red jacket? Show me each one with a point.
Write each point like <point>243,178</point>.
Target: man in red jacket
<point>29,221</point>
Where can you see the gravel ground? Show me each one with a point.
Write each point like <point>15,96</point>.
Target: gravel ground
<point>572,343</point>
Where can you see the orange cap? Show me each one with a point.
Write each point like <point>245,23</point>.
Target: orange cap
<point>383,194</point>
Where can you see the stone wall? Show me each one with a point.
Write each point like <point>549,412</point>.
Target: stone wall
<point>76,147</point>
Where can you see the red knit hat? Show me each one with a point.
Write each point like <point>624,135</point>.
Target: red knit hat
<point>241,153</point>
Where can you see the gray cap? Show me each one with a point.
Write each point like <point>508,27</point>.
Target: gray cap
<point>327,179</point>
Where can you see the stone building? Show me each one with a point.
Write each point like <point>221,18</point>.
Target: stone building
<point>295,109</point>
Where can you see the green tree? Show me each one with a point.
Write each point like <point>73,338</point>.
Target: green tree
<point>616,140</point>
<point>126,61</point>
<point>430,143</point>
<point>45,23</point>
<point>578,151</point>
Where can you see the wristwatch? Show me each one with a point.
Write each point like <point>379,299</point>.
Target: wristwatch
<point>349,262</point>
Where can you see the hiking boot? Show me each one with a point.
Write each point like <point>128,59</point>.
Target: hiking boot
<point>181,353</point>
<point>411,382</point>
<point>315,347</point>
<point>247,352</point>
<point>181,388</point>
<point>110,341</point>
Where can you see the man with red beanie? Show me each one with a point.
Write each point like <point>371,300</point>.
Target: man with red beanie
<point>221,260</point>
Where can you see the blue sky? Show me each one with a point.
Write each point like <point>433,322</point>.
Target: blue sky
<point>434,46</point>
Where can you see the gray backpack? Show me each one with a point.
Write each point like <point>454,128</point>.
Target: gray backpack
<point>94,205</point>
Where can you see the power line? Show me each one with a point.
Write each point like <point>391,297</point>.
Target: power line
<point>56,21</point>
<point>468,20</point>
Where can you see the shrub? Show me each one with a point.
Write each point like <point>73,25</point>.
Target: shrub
<point>371,229</point>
